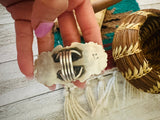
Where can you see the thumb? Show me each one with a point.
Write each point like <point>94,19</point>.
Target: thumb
<point>47,11</point>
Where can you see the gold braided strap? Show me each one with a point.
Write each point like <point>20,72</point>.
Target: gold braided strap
<point>118,52</point>
<point>144,13</point>
<point>135,74</point>
<point>134,26</point>
<point>155,89</point>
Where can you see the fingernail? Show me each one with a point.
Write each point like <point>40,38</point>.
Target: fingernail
<point>53,87</point>
<point>80,84</point>
<point>43,29</point>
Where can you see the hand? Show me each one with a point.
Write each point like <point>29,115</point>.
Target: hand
<point>28,16</point>
<point>22,12</point>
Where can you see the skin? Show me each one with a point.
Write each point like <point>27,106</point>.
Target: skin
<point>28,14</point>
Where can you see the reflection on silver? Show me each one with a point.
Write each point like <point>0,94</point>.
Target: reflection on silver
<point>67,68</point>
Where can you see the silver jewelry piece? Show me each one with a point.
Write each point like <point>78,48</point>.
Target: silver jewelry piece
<point>68,71</point>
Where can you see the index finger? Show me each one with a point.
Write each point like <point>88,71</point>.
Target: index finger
<point>24,39</point>
<point>88,23</point>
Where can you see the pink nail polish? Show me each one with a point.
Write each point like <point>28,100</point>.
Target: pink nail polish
<point>43,29</point>
<point>53,87</point>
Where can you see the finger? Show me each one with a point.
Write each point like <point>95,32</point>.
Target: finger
<point>24,39</point>
<point>53,87</point>
<point>87,22</point>
<point>79,84</point>
<point>47,10</point>
<point>21,10</point>
<point>68,28</point>
<point>46,43</point>
<point>7,3</point>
